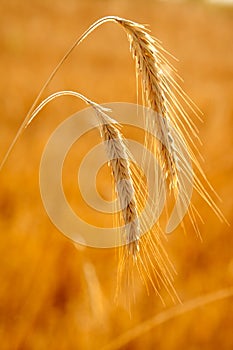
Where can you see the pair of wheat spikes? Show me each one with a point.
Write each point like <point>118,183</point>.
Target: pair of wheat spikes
<point>163,96</point>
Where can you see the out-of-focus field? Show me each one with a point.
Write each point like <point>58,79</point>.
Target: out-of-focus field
<point>52,295</point>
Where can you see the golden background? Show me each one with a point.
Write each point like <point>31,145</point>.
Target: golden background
<point>52,295</point>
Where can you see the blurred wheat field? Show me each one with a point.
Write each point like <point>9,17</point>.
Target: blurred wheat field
<point>53,295</point>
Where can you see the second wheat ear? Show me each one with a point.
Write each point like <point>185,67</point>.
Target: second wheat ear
<point>118,158</point>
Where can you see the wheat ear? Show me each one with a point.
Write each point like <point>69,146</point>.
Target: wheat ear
<point>143,49</point>
<point>172,125</point>
<point>118,159</point>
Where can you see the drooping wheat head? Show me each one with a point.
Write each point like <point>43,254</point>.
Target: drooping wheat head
<point>148,67</point>
<point>118,158</point>
<point>171,123</point>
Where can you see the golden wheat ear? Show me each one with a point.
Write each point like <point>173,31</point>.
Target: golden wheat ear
<point>175,132</point>
<point>118,159</point>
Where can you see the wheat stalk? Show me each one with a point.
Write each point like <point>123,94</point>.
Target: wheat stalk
<point>125,338</point>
